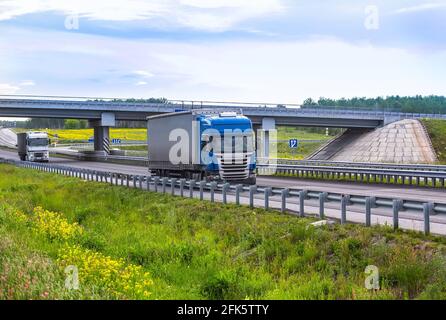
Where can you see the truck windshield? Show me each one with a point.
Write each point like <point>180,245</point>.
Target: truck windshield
<point>38,142</point>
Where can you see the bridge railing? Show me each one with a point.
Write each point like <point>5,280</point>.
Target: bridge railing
<point>192,104</point>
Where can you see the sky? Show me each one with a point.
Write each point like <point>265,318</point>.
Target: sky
<point>277,51</point>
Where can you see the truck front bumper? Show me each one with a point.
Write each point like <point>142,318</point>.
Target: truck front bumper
<point>39,156</point>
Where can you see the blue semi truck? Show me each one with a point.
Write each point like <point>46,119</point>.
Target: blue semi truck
<point>202,145</point>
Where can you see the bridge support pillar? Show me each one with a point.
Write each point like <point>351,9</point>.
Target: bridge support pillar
<point>102,139</point>
<point>102,133</point>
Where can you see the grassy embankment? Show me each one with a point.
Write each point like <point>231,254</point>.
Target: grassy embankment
<point>437,132</point>
<point>284,133</point>
<point>136,244</point>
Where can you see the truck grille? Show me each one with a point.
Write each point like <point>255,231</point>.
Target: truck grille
<point>38,155</point>
<point>234,166</point>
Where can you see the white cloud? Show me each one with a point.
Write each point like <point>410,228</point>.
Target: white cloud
<point>6,88</point>
<point>421,7</point>
<point>216,15</point>
<point>27,83</point>
<point>141,83</point>
<point>143,74</point>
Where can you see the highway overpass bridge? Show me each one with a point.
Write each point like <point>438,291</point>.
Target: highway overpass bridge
<point>103,113</point>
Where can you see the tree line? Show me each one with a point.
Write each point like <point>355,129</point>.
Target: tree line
<point>416,104</point>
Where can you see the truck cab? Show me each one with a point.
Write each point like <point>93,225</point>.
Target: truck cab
<point>233,157</point>
<point>33,146</point>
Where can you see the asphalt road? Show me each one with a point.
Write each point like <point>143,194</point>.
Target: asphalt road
<point>406,192</point>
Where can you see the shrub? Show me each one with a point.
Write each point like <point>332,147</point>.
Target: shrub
<point>54,226</point>
<point>113,275</point>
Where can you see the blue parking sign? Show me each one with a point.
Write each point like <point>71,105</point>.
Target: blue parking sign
<point>294,143</point>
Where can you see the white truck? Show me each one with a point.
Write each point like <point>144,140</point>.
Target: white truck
<point>33,146</point>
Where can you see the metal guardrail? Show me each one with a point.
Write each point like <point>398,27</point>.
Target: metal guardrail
<point>417,167</point>
<point>374,173</point>
<point>358,174</point>
<point>413,175</point>
<point>180,186</point>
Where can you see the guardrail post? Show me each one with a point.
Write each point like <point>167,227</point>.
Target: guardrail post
<point>238,190</point>
<point>252,191</point>
<point>134,181</point>
<point>267,193</point>
<point>213,187</point>
<point>302,196</point>
<point>428,208</point>
<point>284,194</point>
<point>192,184</point>
<point>397,204</point>
<point>173,182</point>
<point>157,180</point>
<point>369,203</point>
<point>322,198</point>
<point>164,182</point>
<point>225,189</point>
<point>182,183</point>
<point>140,182</point>
<point>344,203</point>
<point>148,179</point>
<point>202,184</point>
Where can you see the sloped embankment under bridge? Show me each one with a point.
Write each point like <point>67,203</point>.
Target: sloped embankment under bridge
<point>405,141</point>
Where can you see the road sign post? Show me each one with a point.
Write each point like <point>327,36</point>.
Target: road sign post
<point>294,145</point>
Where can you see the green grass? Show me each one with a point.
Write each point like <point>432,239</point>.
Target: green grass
<point>437,133</point>
<point>200,250</point>
<point>285,133</point>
